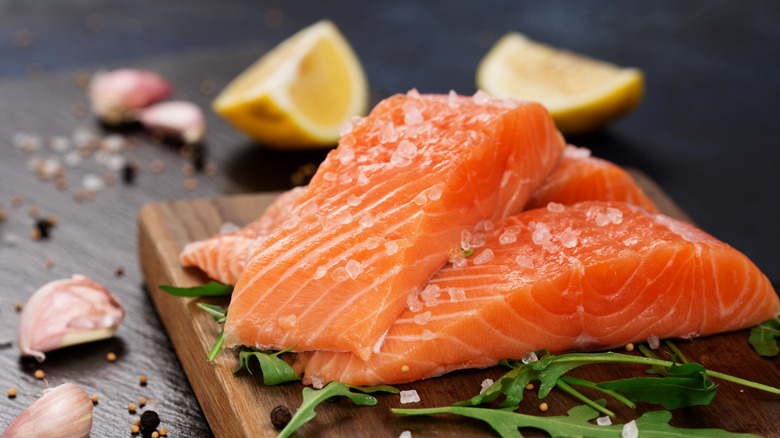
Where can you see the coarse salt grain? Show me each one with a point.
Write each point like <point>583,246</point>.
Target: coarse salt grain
<point>465,240</point>
<point>653,342</point>
<point>480,97</point>
<point>568,238</point>
<point>362,179</point>
<point>478,240</point>
<point>456,294</point>
<point>317,382</point>
<point>409,396</point>
<point>353,200</point>
<point>485,225</point>
<point>604,421</point>
<point>434,194</point>
<point>388,134</point>
<point>346,155</point>
<point>460,262</point>
<point>555,207</point>
<point>422,318</point>
<point>345,128</point>
<point>412,116</point>
<point>353,268</point>
<point>530,357</point>
<point>430,295</point>
<point>339,275</point>
<point>630,430</point>
<point>615,215</point>
<point>366,221</point>
<point>427,335</point>
<point>484,257</point>
<point>92,182</point>
<point>72,159</point>
<point>485,385</point>
<point>602,219</point>
<point>330,176</point>
<point>420,199</point>
<point>405,434</point>
<point>413,302</point>
<point>320,272</point>
<point>391,248</point>
<point>507,238</point>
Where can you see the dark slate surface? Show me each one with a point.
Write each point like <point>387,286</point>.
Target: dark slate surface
<point>705,133</point>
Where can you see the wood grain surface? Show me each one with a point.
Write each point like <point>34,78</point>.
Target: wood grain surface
<point>239,405</point>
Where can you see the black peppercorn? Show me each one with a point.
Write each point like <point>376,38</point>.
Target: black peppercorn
<point>128,173</point>
<point>149,422</point>
<point>280,416</point>
<point>43,226</point>
<point>198,158</point>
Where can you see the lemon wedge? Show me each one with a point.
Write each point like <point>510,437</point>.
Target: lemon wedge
<point>300,93</point>
<point>581,93</point>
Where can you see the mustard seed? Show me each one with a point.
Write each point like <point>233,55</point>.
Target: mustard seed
<point>142,379</point>
<point>39,374</point>
<point>12,392</point>
<point>18,306</point>
<point>132,407</point>
<point>404,369</point>
<point>142,401</point>
<point>111,357</point>
<point>163,432</point>
<point>3,214</point>
<point>210,169</point>
<point>629,347</point>
<point>157,166</point>
<point>529,386</point>
<point>191,184</point>
<point>119,271</point>
<point>17,201</point>
<point>137,422</point>
<point>33,211</point>
<point>155,434</point>
<point>188,169</point>
<point>94,399</point>
<point>49,263</point>
<point>82,78</point>
<point>543,407</point>
<point>134,429</point>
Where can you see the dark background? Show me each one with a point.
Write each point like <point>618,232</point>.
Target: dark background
<point>704,132</point>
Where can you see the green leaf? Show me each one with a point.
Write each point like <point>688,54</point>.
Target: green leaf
<point>217,347</point>
<point>212,289</point>
<point>275,370</point>
<point>312,398</point>
<point>762,337</point>
<point>216,312</point>
<point>575,424</point>
<point>683,386</point>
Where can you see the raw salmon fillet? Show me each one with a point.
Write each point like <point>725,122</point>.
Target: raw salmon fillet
<point>594,275</point>
<point>383,213</point>
<point>581,177</point>
<point>224,256</point>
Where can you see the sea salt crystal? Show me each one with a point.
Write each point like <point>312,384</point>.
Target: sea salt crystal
<point>485,225</point>
<point>407,149</point>
<point>602,219</point>
<point>507,238</point>
<point>413,93</point>
<point>391,248</point>
<point>330,176</point>
<point>113,143</point>
<point>309,208</point>
<point>434,193</point>
<point>320,272</point>
<point>412,114</point>
<point>339,275</point>
<point>353,200</point>
<point>10,239</point>
<point>228,227</point>
<point>388,134</point>
<point>485,385</point>
<point>431,294</point>
<point>530,357</point>
<point>27,142</point>
<point>397,160</point>
<point>524,261</point>
<point>452,97</point>
<point>513,229</point>
<point>653,342</point>
<point>92,182</point>
<point>615,215</point>
<point>353,268</point>
<point>59,144</point>
<point>484,257</point>
<point>115,162</point>
<point>373,242</point>
<point>317,382</point>
<point>405,434</point>
<point>555,207</point>
<point>541,234</point>
<point>345,128</point>
<point>422,318</point>
<point>362,179</point>
<point>456,294</point>
<point>346,155</point>
<point>478,240</point>
<point>83,136</point>
<point>291,221</point>
<point>460,262</point>
<point>568,238</point>
<point>604,421</point>
<point>409,396</point>
<point>629,430</point>
<point>465,240</point>
<point>343,217</point>
<point>551,247</point>
<point>72,159</point>
<point>366,221</point>
<point>480,97</point>
<point>420,199</point>
<point>427,335</point>
<point>413,302</point>
<point>576,152</point>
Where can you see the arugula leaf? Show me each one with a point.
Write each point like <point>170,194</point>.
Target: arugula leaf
<point>312,398</point>
<point>219,314</point>
<point>275,370</point>
<point>575,424</point>
<point>212,289</point>
<point>762,337</point>
<point>683,386</point>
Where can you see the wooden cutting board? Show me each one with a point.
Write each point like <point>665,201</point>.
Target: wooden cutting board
<point>239,405</point>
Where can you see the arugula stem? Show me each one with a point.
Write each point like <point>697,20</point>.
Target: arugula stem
<point>647,352</point>
<point>217,346</point>
<point>676,351</point>
<point>578,395</point>
<point>743,382</point>
<point>580,382</point>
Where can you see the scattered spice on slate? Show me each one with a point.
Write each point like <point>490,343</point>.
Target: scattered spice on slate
<point>3,214</point>
<point>137,422</point>
<point>33,211</point>
<point>94,399</point>
<point>129,172</point>
<point>82,78</point>
<point>18,306</point>
<point>49,263</point>
<point>39,374</point>
<point>191,184</point>
<point>208,87</point>
<point>119,271</point>
<point>111,357</point>
<point>110,178</point>
<point>12,393</point>
<point>143,379</point>
<point>53,220</point>
<point>199,158</point>
<point>35,234</point>
<point>149,421</point>
<point>210,169</point>
<point>157,166</point>
<point>134,429</point>
<point>44,227</point>
<point>142,401</point>
<point>24,37</point>
<point>280,416</point>
<point>543,407</point>
<point>17,201</point>
<point>79,110</point>
<point>163,432</point>
<point>155,434</point>
<point>629,347</point>
<point>188,170</point>
<point>132,407</point>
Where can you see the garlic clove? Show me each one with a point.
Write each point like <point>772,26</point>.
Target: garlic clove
<point>183,120</point>
<point>67,312</point>
<point>62,411</point>
<point>114,95</point>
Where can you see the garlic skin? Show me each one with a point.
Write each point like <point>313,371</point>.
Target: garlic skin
<point>180,119</point>
<point>116,94</point>
<point>64,411</point>
<point>67,312</point>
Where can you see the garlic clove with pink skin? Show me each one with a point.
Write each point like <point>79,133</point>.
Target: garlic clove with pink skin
<point>180,119</point>
<point>64,411</point>
<point>67,312</point>
<point>114,95</point>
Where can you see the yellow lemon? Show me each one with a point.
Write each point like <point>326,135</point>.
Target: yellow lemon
<point>581,93</point>
<point>300,93</point>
